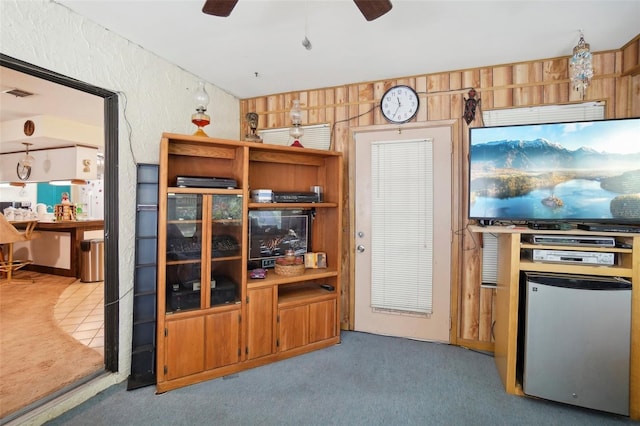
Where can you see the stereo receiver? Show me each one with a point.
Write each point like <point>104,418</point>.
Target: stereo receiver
<point>295,197</point>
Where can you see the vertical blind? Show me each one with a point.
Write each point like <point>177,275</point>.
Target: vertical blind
<point>402,225</point>
<point>489,259</point>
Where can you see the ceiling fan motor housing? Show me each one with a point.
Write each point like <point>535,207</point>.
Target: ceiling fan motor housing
<point>370,9</point>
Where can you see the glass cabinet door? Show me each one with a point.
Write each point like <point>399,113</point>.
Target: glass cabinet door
<point>184,251</point>
<point>226,248</point>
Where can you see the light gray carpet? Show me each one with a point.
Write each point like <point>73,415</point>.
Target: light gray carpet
<point>366,380</point>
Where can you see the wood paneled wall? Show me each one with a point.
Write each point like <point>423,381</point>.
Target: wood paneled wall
<point>534,83</point>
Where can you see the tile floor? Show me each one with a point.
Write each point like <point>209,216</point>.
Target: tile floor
<point>80,312</point>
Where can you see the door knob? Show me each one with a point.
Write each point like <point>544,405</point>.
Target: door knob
<point>360,248</point>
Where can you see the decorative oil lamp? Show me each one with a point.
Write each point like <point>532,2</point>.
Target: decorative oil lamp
<point>200,118</point>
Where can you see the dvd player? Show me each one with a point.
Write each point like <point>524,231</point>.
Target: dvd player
<point>205,182</point>
<point>578,257</point>
<point>609,228</point>
<point>572,240</point>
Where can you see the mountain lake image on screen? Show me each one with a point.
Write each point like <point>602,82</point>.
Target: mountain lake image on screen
<point>576,172</point>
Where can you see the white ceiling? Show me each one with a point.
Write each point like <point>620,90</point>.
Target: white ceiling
<point>48,98</point>
<point>264,37</point>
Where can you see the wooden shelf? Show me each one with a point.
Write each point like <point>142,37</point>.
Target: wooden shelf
<point>225,258</point>
<point>525,230</point>
<point>309,274</point>
<point>574,248</point>
<point>295,294</point>
<point>182,261</point>
<point>272,206</point>
<point>560,268</point>
<point>199,190</point>
<point>236,305</point>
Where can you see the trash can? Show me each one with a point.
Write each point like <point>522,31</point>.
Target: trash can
<point>92,260</point>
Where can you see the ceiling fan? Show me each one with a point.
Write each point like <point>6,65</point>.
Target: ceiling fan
<point>371,9</point>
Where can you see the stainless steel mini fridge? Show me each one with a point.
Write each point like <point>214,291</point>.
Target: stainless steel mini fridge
<point>577,340</point>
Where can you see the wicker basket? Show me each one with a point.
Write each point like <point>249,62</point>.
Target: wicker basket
<point>289,270</point>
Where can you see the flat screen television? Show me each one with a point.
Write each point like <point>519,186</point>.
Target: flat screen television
<point>273,232</point>
<point>575,172</point>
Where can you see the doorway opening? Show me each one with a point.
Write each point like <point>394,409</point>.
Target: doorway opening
<point>111,260</point>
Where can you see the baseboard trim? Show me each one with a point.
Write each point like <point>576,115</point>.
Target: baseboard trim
<point>63,400</point>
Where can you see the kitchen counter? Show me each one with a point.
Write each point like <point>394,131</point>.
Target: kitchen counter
<point>56,251</point>
<point>69,224</point>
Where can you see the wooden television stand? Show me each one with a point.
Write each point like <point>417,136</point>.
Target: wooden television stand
<point>511,263</point>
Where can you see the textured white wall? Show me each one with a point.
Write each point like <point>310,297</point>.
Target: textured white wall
<point>155,97</point>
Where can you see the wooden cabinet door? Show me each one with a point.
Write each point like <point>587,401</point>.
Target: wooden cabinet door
<point>260,322</point>
<point>183,252</point>
<point>322,320</point>
<point>293,327</point>
<point>222,335</point>
<point>184,347</point>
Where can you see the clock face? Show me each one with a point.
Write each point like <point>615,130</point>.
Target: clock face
<point>399,104</point>
<point>23,171</point>
<point>29,127</point>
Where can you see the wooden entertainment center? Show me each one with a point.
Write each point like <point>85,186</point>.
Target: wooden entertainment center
<point>212,318</point>
<point>512,261</point>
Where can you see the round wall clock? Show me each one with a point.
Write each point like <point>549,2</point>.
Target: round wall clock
<point>399,104</point>
<point>29,127</point>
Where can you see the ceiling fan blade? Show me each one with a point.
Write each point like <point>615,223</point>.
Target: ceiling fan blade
<point>373,9</point>
<point>219,7</point>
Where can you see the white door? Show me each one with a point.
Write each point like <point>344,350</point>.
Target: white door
<point>403,232</point>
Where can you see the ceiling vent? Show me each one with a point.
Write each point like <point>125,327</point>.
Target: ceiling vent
<point>18,93</point>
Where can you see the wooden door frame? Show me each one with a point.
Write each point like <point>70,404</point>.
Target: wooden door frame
<point>457,217</point>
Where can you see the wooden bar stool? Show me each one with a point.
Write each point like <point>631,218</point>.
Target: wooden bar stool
<point>9,235</point>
